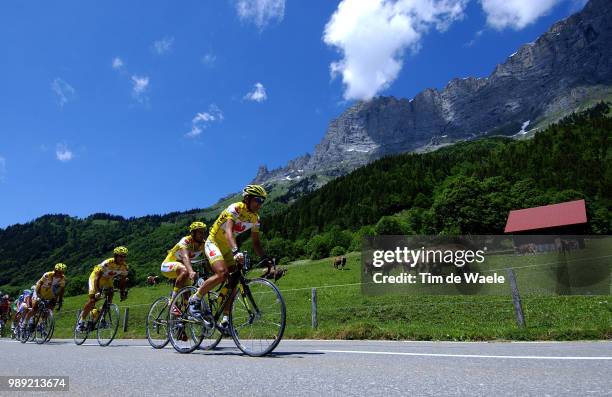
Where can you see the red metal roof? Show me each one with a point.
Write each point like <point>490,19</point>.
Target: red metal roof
<point>547,216</point>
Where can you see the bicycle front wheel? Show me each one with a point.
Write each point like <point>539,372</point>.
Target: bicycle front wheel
<point>213,336</point>
<point>25,333</point>
<point>108,324</point>
<point>52,329</point>
<point>157,323</point>
<point>257,319</point>
<point>80,336</point>
<point>185,332</point>
<point>44,324</point>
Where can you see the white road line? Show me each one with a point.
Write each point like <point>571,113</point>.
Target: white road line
<point>462,355</point>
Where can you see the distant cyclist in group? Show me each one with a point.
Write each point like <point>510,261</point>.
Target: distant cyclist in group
<point>5,310</point>
<point>103,276</point>
<point>23,307</point>
<point>177,265</point>
<point>221,248</point>
<point>50,287</point>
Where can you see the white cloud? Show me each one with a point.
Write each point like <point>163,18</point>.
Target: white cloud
<point>140,88</point>
<point>118,63</point>
<point>162,46</point>
<point>258,94</point>
<point>64,91</point>
<point>209,59</point>
<point>202,119</point>
<point>62,153</point>
<point>475,39</point>
<point>261,12</point>
<point>2,169</point>
<point>372,37</point>
<point>515,14</point>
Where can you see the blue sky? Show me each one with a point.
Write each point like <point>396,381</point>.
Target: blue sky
<point>146,107</point>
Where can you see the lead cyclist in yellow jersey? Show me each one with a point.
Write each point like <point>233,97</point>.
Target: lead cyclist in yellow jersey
<point>221,248</point>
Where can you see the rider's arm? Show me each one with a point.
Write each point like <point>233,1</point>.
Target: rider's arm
<point>38,285</point>
<point>122,282</point>
<point>229,235</point>
<point>183,255</point>
<point>257,244</point>
<point>97,281</point>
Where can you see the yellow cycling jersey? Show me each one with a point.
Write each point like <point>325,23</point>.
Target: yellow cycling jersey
<point>186,243</point>
<point>110,269</point>
<point>49,282</point>
<point>243,221</point>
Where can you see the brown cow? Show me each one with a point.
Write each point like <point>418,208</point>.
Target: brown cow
<point>339,262</point>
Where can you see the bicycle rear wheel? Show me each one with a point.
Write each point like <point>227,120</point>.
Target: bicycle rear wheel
<point>80,336</point>
<point>257,319</point>
<point>157,323</point>
<point>107,325</point>
<point>185,332</point>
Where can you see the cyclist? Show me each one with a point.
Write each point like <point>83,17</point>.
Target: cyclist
<point>102,276</point>
<point>221,248</point>
<point>177,265</point>
<point>51,287</point>
<point>5,310</point>
<point>22,307</point>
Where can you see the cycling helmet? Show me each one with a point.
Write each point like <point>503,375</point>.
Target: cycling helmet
<point>254,190</point>
<point>60,267</point>
<point>197,225</point>
<point>120,251</point>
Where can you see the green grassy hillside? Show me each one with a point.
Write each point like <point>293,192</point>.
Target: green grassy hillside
<point>346,313</point>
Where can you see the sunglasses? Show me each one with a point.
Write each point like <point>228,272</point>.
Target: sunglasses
<point>259,200</point>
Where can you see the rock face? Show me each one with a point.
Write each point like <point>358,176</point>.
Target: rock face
<point>543,81</point>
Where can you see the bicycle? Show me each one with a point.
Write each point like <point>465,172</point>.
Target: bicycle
<point>105,323</point>
<point>25,334</point>
<point>254,305</point>
<point>157,318</point>
<point>43,325</point>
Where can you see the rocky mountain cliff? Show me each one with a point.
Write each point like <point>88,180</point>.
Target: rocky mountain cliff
<point>567,66</point>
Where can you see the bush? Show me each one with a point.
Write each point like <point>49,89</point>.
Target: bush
<point>337,251</point>
<point>318,247</point>
<point>76,285</point>
<point>390,225</point>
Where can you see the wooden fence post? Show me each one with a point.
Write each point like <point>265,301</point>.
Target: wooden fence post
<point>516,299</point>
<point>125,319</point>
<point>315,322</point>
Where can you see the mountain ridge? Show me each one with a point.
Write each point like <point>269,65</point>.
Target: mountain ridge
<point>568,65</point>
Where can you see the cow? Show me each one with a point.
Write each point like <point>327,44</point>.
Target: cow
<point>339,262</point>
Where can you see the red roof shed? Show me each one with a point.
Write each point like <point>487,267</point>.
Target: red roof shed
<point>547,216</point>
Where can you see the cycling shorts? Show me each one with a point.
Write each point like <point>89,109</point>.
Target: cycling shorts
<point>168,269</point>
<point>102,283</point>
<point>216,254</point>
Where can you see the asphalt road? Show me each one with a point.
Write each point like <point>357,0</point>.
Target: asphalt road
<point>307,367</point>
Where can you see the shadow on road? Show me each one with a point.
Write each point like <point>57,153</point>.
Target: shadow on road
<point>232,351</point>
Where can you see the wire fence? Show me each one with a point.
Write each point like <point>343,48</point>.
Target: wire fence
<point>338,305</point>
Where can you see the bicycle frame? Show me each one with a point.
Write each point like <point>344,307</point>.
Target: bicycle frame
<point>237,282</point>
<point>103,309</point>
